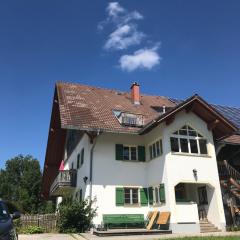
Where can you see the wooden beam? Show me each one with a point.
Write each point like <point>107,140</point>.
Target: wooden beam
<point>91,136</point>
<point>213,124</point>
<point>190,108</point>
<point>170,120</point>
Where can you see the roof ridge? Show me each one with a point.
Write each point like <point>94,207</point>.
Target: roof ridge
<point>214,104</point>
<point>109,89</point>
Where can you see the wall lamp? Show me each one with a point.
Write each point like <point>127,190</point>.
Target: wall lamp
<point>85,179</point>
<point>195,173</point>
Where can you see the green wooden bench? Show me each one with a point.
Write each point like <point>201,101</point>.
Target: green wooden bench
<point>123,220</point>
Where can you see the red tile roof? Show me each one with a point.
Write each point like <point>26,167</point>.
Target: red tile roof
<point>90,108</point>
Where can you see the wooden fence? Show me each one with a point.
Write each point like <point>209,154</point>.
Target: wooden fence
<point>46,221</point>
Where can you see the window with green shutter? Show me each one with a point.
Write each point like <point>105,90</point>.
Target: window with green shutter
<point>119,196</point>
<point>162,193</point>
<point>119,151</point>
<point>144,196</point>
<point>150,195</point>
<point>141,153</point>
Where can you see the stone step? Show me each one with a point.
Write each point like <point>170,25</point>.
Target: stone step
<point>207,227</point>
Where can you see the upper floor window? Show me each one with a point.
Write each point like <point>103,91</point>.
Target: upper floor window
<point>155,149</point>
<point>130,153</point>
<point>188,140</point>
<point>80,159</point>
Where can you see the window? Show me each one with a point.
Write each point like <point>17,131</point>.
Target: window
<point>155,149</point>
<point>82,156</point>
<point>180,193</point>
<point>131,196</point>
<point>157,194</point>
<point>72,166</point>
<point>78,161</point>
<point>188,140</point>
<point>80,195</point>
<point>130,153</point>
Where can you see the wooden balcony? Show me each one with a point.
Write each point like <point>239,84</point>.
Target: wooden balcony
<point>65,183</point>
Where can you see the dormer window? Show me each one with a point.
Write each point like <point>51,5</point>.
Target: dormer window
<point>129,119</point>
<point>188,140</point>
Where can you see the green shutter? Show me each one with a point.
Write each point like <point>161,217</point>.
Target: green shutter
<point>144,196</point>
<point>119,196</point>
<point>119,152</point>
<point>150,195</point>
<point>162,193</point>
<point>141,153</point>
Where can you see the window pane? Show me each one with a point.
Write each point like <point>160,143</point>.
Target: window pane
<point>183,132</point>
<point>203,146</point>
<point>154,150</point>
<point>156,195</point>
<point>192,133</point>
<point>174,144</point>
<point>133,153</point>
<point>127,195</point>
<point>158,148</point>
<point>134,195</point>
<point>161,147</point>
<point>150,152</point>
<point>184,145</point>
<point>193,146</point>
<point>176,133</point>
<point>126,153</point>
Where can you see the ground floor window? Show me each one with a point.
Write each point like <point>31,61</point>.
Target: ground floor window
<point>131,196</point>
<point>180,193</point>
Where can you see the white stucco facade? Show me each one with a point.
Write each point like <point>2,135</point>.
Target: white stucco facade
<point>169,169</point>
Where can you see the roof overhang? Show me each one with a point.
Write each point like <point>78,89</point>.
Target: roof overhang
<point>55,149</point>
<point>217,123</point>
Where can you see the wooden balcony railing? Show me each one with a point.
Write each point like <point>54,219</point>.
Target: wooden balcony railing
<point>64,183</point>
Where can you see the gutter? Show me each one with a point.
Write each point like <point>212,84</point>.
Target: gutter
<point>91,163</point>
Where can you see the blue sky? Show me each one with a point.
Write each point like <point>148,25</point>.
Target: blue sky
<point>172,48</point>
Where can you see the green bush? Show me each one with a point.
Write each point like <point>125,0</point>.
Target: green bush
<point>32,230</point>
<point>75,216</point>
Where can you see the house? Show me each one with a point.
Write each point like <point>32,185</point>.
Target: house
<point>137,154</point>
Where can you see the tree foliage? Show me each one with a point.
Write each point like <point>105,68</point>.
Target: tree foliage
<point>75,216</point>
<point>20,183</point>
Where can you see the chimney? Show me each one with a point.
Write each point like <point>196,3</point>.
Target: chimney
<point>135,93</point>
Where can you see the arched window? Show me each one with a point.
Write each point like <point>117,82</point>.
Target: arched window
<point>188,140</point>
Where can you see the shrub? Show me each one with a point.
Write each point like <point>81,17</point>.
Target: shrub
<point>32,230</point>
<point>75,216</point>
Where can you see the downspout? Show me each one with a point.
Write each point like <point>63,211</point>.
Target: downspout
<point>91,163</point>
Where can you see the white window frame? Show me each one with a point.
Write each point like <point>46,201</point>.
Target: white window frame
<point>160,146</point>
<point>129,150</point>
<point>154,195</point>
<point>188,138</point>
<point>131,196</point>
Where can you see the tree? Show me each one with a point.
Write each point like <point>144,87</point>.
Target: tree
<point>20,183</point>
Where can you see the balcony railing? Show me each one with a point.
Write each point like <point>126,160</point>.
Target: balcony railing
<point>64,183</point>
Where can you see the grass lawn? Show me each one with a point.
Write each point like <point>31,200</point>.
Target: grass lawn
<point>207,238</point>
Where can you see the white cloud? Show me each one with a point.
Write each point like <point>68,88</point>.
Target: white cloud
<point>125,32</point>
<point>123,37</point>
<point>141,59</point>
<point>114,8</point>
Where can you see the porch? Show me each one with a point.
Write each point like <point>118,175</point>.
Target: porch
<point>195,208</point>
<point>64,184</point>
